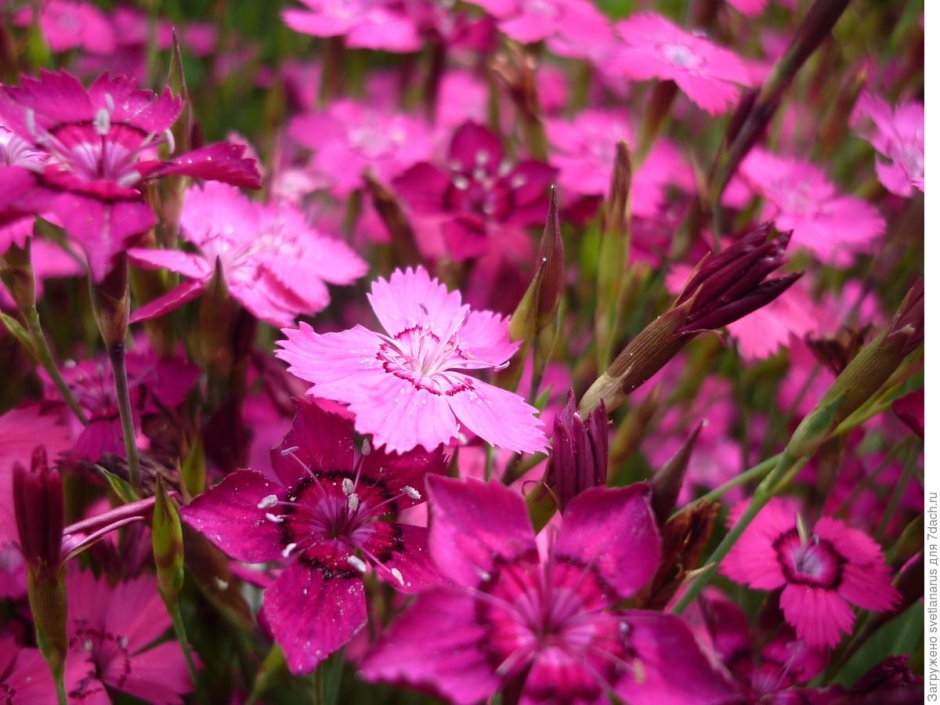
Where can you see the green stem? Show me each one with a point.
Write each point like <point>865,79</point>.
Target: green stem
<point>41,346</point>
<point>910,464</point>
<point>119,366</point>
<point>180,630</point>
<point>60,693</point>
<point>755,473</point>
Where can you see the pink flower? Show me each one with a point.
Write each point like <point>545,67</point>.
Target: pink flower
<point>821,573</point>
<point>800,198</point>
<point>749,8</point>
<point>408,386</point>
<point>114,627</point>
<point>527,21</point>
<point>585,151</point>
<point>898,136</point>
<point>275,264</point>
<point>655,48</point>
<point>481,200</point>
<point>349,137</point>
<point>365,24</point>
<point>547,625</point>
<point>323,515</point>
<point>100,144</point>
<point>24,675</point>
<point>71,25</point>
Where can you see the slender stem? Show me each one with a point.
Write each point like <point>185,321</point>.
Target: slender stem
<point>910,464</point>
<point>180,630</point>
<point>119,367</point>
<point>41,346</point>
<point>60,693</point>
<point>755,473</point>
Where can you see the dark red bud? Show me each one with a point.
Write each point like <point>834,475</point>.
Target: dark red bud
<point>39,508</point>
<point>579,453</point>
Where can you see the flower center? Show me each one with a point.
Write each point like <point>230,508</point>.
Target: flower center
<point>418,355</point>
<point>680,55</point>
<point>552,617</point>
<point>813,562</point>
<point>106,650</point>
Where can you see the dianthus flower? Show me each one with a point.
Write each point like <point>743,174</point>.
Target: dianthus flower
<point>100,145</point>
<point>898,135</point>
<point>323,515</point>
<point>585,148</point>
<point>822,571</point>
<point>272,262</point>
<point>527,21</point>
<point>481,198</point>
<point>364,24</point>
<point>114,627</point>
<point>547,625</point>
<point>800,198</point>
<point>408,386</point>
<point>349,137</point>
<point>653,47</point>
<point>69,25</point>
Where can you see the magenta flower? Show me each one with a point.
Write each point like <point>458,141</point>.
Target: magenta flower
<point>511,617</point>
<point>24,675</point>
<point>821,573</point>
<point>71,25</point>
<point>408,386</point>
<point>898,136</point>
<point>349,137</point>
<point>324,515</point>
<point>585,148</point>
<point>656,48</point>
<point>528,21</point>
<point>800,198</point>
<point>481,198</point>
<point>114,627</point>
<point>364,24</point>
<point>275,264</point>
<point>156,385</point>
<point>101,145</point>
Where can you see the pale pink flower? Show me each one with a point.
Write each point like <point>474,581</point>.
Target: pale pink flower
<point>408,386</point>
<point>577,21</point>
<point>364,24</point>
<point>656,48</point>
<point>799,197</point>
<point>71,25</point>
<point>823,571</point>
<point>349,137</point>
<point>275,264</point>
<point>897,134</point>
<point>585,148</point>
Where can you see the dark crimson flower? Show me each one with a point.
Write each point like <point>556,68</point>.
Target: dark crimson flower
<point>479,197</point>
<point>100,145</point>
<point>547,624</point>
<point>327,516</point>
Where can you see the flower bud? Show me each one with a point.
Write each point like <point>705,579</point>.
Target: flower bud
<point>863,376</point>
<point>667,481</point>
<point>579,453</point>
<point>39,508</point>
<point>111,298</point>
<point>167,535</point>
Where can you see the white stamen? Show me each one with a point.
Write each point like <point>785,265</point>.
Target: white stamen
<point>88,645</point>
<point>102,121</point>
<point>287,451</point>
<point>129,179</point>
<point>481,157</point>
<point>357,563</point>
<point>170,140</point>
<point>483,574</point>
<point>123,642</point>
<point>288,549</point>
<point>268,502</point>
<point>31,121</point>
<point>348,486</point>
<point>353,502</point>
<point>504,168</point>
<point>411,492</point>
<point>221,584</point>
<point>461,183</point>
<point>397,575</point>
<point>366,447</point>
<point>517,181</point>
<point>274,518</point>
<point>109,101</point>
